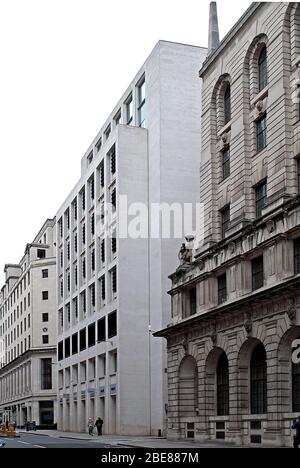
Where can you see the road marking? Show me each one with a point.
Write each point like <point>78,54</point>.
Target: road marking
<point>39,446</point>
<point>25,443</point>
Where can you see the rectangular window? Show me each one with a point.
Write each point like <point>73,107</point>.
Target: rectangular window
<point>114,280</point>
<point>257,273</point>
<point>83,234</point>
<point>114,243</point>
<point>141,103</point>
<point>225,221</point>
<point>93,295</point>
<point>92,188</point>
<point>193,301</point>
<point>93,260</point>
<point>41,253</point>
<point>222,289</point>
<point>117,118</point>
<point>129,110</point>
<point>45,317</point>
<point>103,251</point>
<point>107,132</point>
<point>90,158</point>
<point>114,198</point>
<point>226,163</point>
<point>260,198</point>
<point>112,325</point>
<point>261,133</point>
<point>82,195</point>
<point>46,374</point>
<point>112,157</point>
<point>297,255</point>
<point>101,335</point>
<point>102,174</point>
<point>45,295</point>
<point>92,335</point>
<point>45,339</point>
<point>45,273</point>
<point>99,145</point>
<point>75,343</point>
<point>82,339</point>
<point>67,347</point>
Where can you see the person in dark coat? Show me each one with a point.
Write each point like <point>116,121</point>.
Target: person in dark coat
<point>296,426</point>
<point>99,424</point>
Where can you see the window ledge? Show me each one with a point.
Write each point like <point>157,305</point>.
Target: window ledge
<point>225,129</point>
<point>260,96</point>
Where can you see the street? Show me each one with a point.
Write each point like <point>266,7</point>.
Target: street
<point>39,441</point>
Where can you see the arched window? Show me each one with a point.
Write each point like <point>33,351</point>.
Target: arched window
<point>262,69</point>
<point>258,377</point>
<point>227,104</point>
<point>296,387</point>
<point>223,386</point>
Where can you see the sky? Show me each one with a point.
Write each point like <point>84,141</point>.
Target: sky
<point>64,65</point>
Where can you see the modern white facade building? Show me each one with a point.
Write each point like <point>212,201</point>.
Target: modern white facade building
<point>112,292</point>
<point>28,334</point>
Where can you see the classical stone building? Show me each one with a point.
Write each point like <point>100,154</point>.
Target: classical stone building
<point>112,286</point>
<point>28,334</point>
<point>235,296</point>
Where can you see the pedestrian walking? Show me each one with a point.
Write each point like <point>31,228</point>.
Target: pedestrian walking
<point>99,424</point>
<point>296,426</point>
<point>91,427</point>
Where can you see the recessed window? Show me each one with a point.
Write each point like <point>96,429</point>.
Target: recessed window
<point>223,386</point>
<point>45,339</point>
<point>297,256</point>
<point>193,301</point>
<point>101,334</point>
<point>75,343</point>
<point>90,158</point>
<point>262,69</point>
<point>258,380</point>
<point>45,273</point>
<point>45,295</point>
<point>257,273</point>
<point>117,118</point>
<point>227,104</point>
<point>226,163</point>
<point>260,198</point>
<point>114,280</point>
<point>46,374</point>
<point>129,110</point>
<point>225,221</point>
<point>222,289</point>
<point>114,198</point>
<point>261,133</point>
<point>99,145</point>
<point>141,91</point>
<point>91,335</point>
<point>112,324</point>
<point>45,317</point>
<point>82,339</point>
<point>67,347</point>
<point>107,132</point>
<point>41,253</point>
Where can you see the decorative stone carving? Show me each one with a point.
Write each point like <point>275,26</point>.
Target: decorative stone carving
<point>185,255</point>
<point>201,265</point>
<point>185,344</point>
<point>271,226</point>
<point>231,247</point>
<point>248,324</point>
<point>259,106</point>
<point>214,335</point>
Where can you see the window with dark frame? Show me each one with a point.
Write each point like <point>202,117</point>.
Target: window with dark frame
<point>45,317</point>
<point>227,104</point>
<point>74,343</point>
<point>91,335</point>
<point>129,110</point>
<point>297,256</point>
<point>260,198</point>
<point>226,163</point>
<point>222,289</point>
<point>46,374</point>
<point>45,339</point>
<point>193,301</point>
<point>101,333</point>
<point>45,274</point>
<point>102,174</point>
<point>225,220</point>
<point>261,133</point>
<point>141,103</point>
<point>114,280</point>
<point>112,325</point>
<point>41,254</point>
<point>45,295</point>
<point>262,69</point>
<point>257,273</point>
<point>67,347</point>
<point>223,386</point>
<point>82,339</point>
<point>258,380</point>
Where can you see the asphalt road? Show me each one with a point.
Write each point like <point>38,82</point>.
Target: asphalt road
<point>37,441</point>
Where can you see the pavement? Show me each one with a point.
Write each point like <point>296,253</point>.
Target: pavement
<point>61,438</point>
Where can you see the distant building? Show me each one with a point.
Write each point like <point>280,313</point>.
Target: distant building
<point>236,299</point>
<point>28,334</point>
<point>112,290</point>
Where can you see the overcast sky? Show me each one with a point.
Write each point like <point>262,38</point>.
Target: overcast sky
<point>64,65</point>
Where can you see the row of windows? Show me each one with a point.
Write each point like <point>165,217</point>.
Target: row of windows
<point>19,290</point>
<point>258,279</point>
<point>87,336</point>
